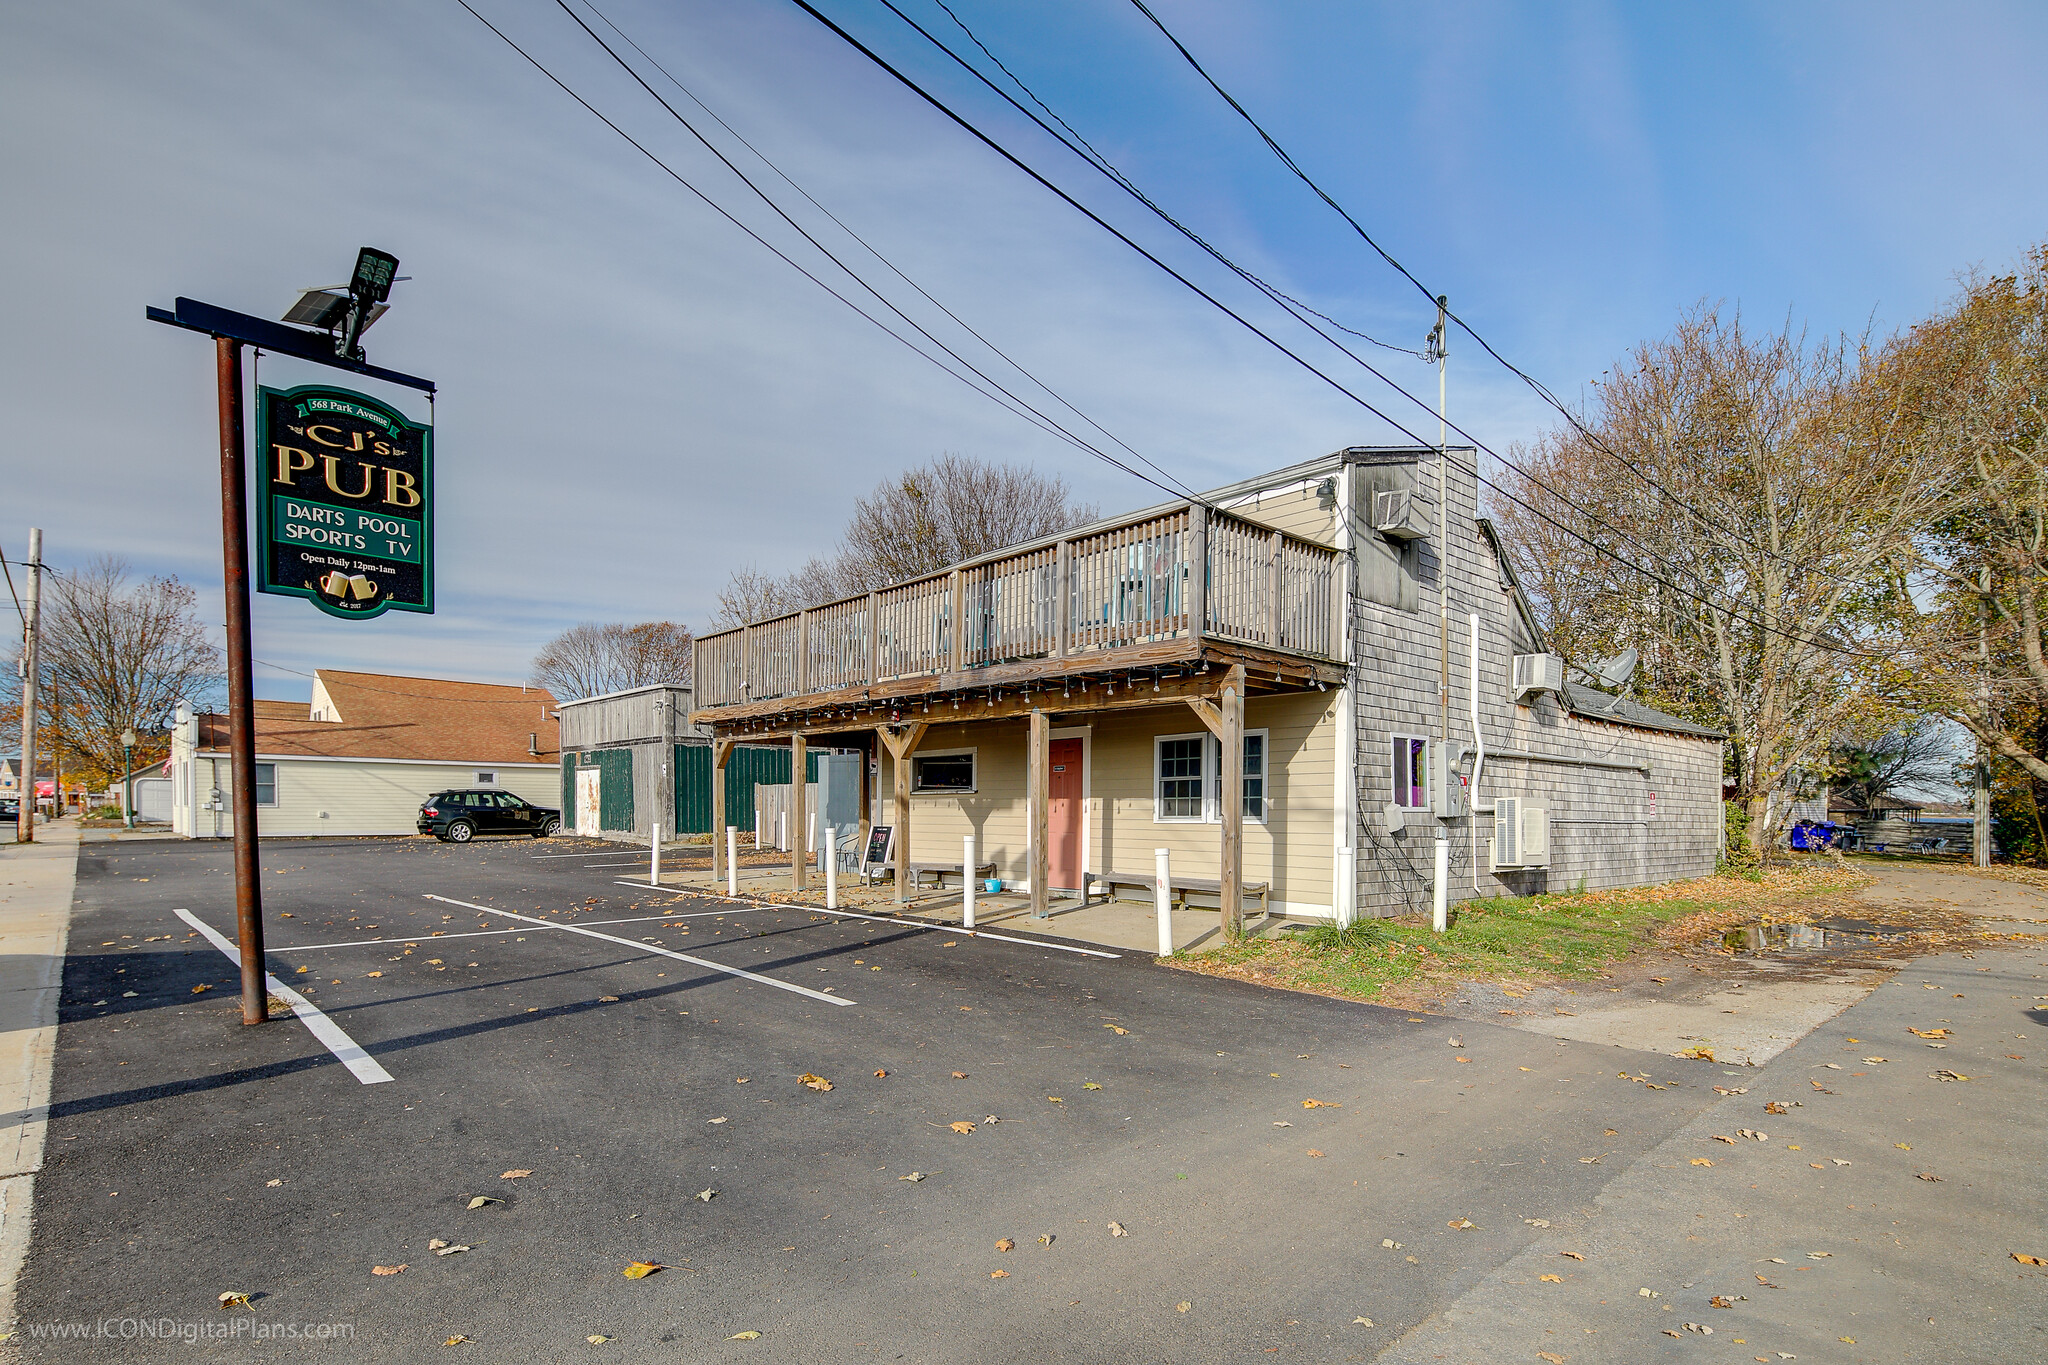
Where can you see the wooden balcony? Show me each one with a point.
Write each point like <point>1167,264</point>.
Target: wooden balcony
<point>1174,588</point>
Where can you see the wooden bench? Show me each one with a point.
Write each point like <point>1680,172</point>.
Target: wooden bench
<point>940,871</point>
<point>1179,887</point>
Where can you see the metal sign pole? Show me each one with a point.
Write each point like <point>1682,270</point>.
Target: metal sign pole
<point>234,532</point>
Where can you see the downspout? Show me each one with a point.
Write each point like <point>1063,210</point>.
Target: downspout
<point>1478,753</point>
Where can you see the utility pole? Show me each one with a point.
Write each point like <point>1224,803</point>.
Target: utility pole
<point>1440,764</point>
<point>25,818</point>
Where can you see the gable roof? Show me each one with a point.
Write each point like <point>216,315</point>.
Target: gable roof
<point>1597,705</point>
<point>388,715</point>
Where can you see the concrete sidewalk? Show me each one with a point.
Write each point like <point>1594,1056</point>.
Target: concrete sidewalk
<point>1875,1220</point>
<point>35,916</point>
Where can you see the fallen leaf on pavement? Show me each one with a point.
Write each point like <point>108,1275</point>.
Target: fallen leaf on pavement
<point>1551,1279</point>
<point>515,1175</point>
<point>640,1270</point>
<point>720,1119</point>
<point>1313,1152</point>
<point>707,1195</point>
<point>1775,1107</point>
<point>1929,1175</point>
<point>1320,1104</point>
<point>1117,1230</point>
<point>1463,1225</point>
<point>596,1339</point>
<point>1720,1138</point>
<point>1699,1054</point>
<point>1183,1306</point>
<point>1537,1222</point>
<point>879,1073</point>
<point>1006,1244</point>
<point>2025,1259</point>
<point>1818,1255</point>
<point>1701,1161</point>
<point>1670,1332</point>
<point>1553,1358</point>
<point>1367,1322</point>
<point>446,1250</point>
<point>389,1269</point>
<point>272,1184</point>
<point>1282,1123</point>
<point>1930,1032</point>
<point>814,1082</point>
<point>1731,1090</point>
<point>914,1175</point>
<point>1054,1099</point>
<point>1720,1301</point>
<point>1903,1146</point>
<point>1119,1032</point>
<point>741,1080</point>
<point>1090,1085</point>
<point>1573,1254</point>
<point>1873,1060</point>
<point>1046,1240</point>
<point>1699,1327</point>
<point>482,1200</point>
<point>959,1075</point>
<point>963,1126</point>
<point>999,1274</point>
<point>1838,1161</point>
<point>456,1341</point>
<point>744,1336</point>
<point>1945,1075</point>
<point>197,990</point>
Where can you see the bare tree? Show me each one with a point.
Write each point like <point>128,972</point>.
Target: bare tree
<point>1731,514</point>
<point>1919,755</point>
<point>117,652</point>
<point>952,508</point>
<point>590,660</point>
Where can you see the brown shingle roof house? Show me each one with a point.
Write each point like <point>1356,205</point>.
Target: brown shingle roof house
<point>366,750</point>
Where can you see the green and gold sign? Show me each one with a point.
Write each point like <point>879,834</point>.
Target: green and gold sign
<point>345,511</point>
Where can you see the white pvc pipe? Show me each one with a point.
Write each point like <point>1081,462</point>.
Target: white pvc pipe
<point>782,831</point>
<point>1440,912</point>
<point>967,883</point>
<point>1478,753</point>
<point>732,859</point>
<point>831,868</point>
<point>757,829</point>
<point>654,854</point>
<point>1162,897</point>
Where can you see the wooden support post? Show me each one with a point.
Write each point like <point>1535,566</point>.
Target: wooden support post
<point>1062,600</point>
<point>1273,548</point>
<point>1198,570</point>
<point>803,651</point>
<point>1041,809</point>
<point>900,747</point>
<point>874,638</point>
<point>797,827</point>
<point>721,754</point>
<point>958,651</point>
<point>1231,713</point>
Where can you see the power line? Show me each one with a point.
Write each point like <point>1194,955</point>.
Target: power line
<point>877,254</point>
<point>882,62</point>
<point>1028,415</point>
<point>1536,386</point>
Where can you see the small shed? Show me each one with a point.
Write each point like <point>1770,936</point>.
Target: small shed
<point>628,755</point>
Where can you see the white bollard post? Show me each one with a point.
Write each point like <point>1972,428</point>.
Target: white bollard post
<point>782,831</point>
<point>654,853</point>
<point>732,859</point>
<point>811,833</point>
<point>1162,897</point>
<point>1440,902</point>
<point>757,829</point>
<point>831,869</point>
<point>967,882</point>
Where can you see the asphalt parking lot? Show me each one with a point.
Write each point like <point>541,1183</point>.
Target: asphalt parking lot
<point>635,1050</point>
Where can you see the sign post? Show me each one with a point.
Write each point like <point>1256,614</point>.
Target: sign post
<point>375,271</point>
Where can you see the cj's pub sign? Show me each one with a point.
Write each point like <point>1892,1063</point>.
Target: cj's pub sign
<point>346,513</point>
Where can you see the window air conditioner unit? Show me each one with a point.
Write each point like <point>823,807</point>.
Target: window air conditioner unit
<point>1538,673</point>
<point>1398,516</point>
<point>1521,834</point>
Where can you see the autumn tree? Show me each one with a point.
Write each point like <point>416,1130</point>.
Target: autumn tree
<point>117,652</point>
<point>1970,592</point>
<point>1728,505</point>
<point>953,508</point>
<point>591,659</point>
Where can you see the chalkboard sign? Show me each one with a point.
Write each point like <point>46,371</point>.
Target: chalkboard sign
<point>879,839</point>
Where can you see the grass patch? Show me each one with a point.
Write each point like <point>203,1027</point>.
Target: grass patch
<point>1563,936</point>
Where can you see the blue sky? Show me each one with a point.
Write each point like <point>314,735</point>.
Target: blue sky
<point>636,398</point>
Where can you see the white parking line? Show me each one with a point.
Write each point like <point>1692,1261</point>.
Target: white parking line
<point>649,948</point>
<point>361,1064</point>
<point>430,939</point>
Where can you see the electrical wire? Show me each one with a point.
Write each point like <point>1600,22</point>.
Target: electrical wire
<point>1734,613</point>
<point>18,611</point>
<point>877,254</point>
<point>1536,386</point>
<point>1051,429</point>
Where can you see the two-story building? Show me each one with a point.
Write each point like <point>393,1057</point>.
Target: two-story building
<point>1321,689</point>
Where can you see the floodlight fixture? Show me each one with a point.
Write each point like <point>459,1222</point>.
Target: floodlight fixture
<point>375,272</point>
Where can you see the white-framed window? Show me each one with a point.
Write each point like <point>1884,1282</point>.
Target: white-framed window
<point>266,784</point>
<point>1187,772</point>
<point>1410,754</point>
<point>943,772</point>
<point>486,778</point>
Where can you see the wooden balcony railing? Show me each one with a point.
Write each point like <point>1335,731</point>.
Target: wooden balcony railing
<point>1083,595</point>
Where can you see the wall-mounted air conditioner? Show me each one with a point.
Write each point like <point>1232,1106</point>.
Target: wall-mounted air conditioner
<point>1521,834</point>
<point>1397,515</point>
<point>1537,673</point>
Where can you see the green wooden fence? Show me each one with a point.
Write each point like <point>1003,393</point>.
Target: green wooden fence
<point>748,765</point>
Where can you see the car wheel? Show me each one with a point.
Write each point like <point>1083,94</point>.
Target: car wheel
<point>460,832</point>
<point>549,828</point>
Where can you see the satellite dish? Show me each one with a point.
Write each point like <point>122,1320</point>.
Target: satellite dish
<point>1618,670</point>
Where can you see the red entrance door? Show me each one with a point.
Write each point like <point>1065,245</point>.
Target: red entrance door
<point>1063,795</point>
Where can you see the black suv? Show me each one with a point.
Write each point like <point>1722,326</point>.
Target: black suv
<point>459,816</point>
